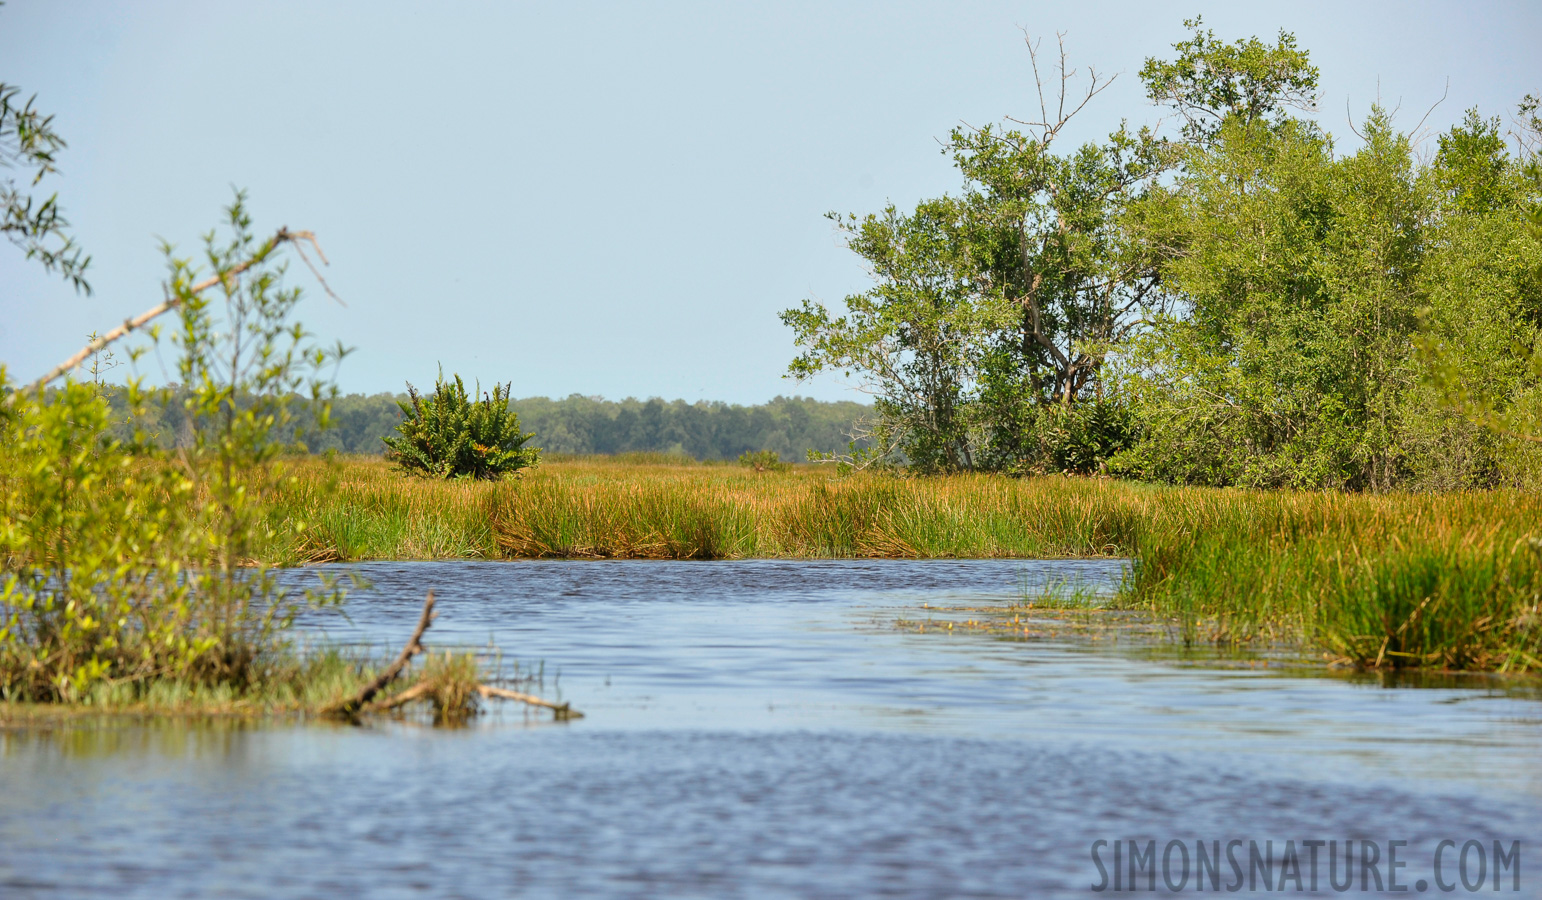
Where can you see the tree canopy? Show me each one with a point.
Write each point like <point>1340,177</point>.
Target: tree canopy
<point>1240,304</point>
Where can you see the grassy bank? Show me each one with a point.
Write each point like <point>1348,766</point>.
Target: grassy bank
<point>287,683</point>
<point>657,508</point>
<point>1447,581</point>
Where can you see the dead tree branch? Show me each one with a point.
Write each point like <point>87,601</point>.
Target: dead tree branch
<point>562,710</point>
<point>283,236</point>
<point>414,646</point>
<point>425,689</point>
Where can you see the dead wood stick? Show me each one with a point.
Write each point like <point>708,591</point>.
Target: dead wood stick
<point>284,235</point>
<point>412,648</point>
<point>406,696</point>
<point>562,710</point>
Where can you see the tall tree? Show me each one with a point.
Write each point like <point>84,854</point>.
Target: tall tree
<point>917,337</point>
<point>1001,301</point>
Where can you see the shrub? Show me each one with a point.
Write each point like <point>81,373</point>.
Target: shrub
<point>452,435</point>
<point>1030,438</point>
<point>762,461</point>
<point>124,565</point>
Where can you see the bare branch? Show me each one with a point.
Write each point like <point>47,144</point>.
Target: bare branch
<point>1049,129</point>
<point>414,646</point>
<point>1351,118</point>
<point>563,710</point>
<point>284,235</point>
<point>1414,135</point>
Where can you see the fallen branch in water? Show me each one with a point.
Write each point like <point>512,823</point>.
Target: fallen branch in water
<point>414,646</point>
<point>562,710</point>
<point>415,692</point>
<point>423,690</point>
<point>432,687</point>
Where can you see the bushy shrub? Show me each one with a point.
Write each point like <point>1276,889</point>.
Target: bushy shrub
<point>454,435</point>
<point>1032,438</point>
<point>762,461</point>
<point>124,564</point>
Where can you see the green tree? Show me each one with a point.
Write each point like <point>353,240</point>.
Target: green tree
<point>1308,284</point>
<point>121,565</point>
<point>917,338</point>
<point>992,310</point>
<point>1211,82</point>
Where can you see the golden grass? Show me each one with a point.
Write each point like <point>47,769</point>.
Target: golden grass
<point>356,509</point>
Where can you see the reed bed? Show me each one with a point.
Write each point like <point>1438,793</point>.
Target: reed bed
<point>1448,581</point>
<point>289,682</point>
<point>356,509</point>
<point>1445,581</point>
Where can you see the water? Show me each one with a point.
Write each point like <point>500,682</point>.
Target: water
<point>763,729</point>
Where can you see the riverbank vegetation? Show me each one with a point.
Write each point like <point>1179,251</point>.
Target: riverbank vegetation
<point>126,569</point>
<point>1315,372</point>
<point>1438,580</point>
<point>453,435</point>
<point>1241,303</point>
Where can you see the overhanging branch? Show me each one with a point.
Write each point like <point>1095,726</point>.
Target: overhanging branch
<point>283,236</point>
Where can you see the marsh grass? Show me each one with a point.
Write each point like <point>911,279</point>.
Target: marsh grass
<point>598,508</point>
<point>1441,581</point>
<point>1064,594</point>
<point>450,681</point>
<point>1447,581</point>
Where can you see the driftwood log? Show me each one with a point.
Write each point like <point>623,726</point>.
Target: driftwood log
<point>360,702</point>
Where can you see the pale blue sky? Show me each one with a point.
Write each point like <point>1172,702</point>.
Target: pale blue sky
<point>610,199</point>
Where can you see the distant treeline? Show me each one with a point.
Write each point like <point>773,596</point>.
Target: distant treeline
<point>790,426</point>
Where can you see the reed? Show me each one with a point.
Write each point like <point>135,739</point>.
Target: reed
<point>1448,581</point>
<point>1451,580</point>
<point>587,508</point>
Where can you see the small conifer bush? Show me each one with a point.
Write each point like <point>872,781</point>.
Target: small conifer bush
<point>453,435</point>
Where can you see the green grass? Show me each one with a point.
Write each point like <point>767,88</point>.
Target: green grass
<point>588,508</point>
<point>1444,581</point>
<point>290,683</point>
<point>1438,581</point>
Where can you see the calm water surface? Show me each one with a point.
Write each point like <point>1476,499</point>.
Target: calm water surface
<point>763,729</point>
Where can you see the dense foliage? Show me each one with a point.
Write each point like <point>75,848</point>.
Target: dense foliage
<point>123,565</point>
<point>1241,305</point>
<point>455,435</point>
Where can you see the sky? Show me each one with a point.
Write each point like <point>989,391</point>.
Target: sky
<point>596,198</point>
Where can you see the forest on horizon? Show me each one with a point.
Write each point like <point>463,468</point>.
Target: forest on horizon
<point>578,425</point>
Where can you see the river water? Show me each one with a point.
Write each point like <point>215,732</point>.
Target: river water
<point>767,729</point>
